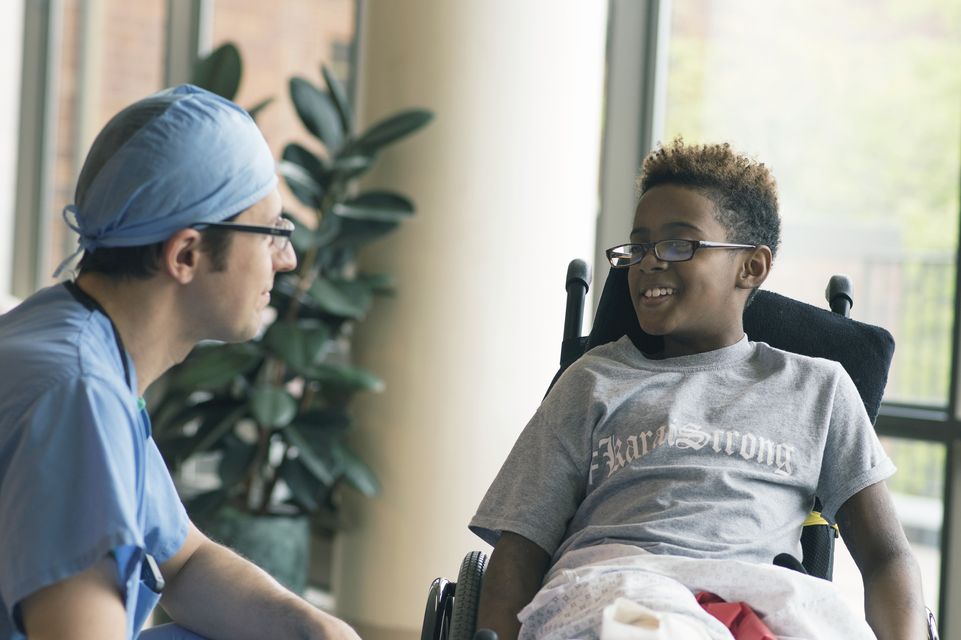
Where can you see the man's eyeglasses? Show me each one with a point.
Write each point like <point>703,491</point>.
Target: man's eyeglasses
<point>625,255</point>
<point>280,233</point>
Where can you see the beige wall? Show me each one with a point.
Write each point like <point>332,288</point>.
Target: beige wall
<point>505,180</point>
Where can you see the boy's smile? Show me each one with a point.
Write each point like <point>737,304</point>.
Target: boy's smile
<point>696,305</point>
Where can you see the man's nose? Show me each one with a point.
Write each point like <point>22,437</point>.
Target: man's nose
<point>285,260</point>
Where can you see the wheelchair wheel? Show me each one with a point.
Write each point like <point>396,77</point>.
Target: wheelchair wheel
<point>463,621</point>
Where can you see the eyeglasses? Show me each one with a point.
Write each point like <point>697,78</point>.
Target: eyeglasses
<point>280,233</point>
<point>625,255</point>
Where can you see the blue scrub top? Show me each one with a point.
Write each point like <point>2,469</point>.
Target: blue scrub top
<point>80,475</point>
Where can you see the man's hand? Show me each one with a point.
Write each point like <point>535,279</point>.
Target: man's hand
<point>514,576</point>
<point>216,593</point>
<point>86,605</point>
<point>893,602</point>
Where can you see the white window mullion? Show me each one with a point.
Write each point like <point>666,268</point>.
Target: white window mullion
<point>36,145</point>
<point>638,36</point>
<point>11,57</point>
<point>189,34</point>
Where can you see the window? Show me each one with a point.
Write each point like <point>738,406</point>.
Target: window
<point>103,55</point>
<point>854,106</point>
<point>290,38</point>
<point>111,53</point>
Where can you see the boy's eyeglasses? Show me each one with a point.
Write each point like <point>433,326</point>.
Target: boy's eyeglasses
<point>280,233</point>
<point>625,255</point>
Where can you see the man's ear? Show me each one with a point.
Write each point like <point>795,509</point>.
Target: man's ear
<point>181,255</point>
<point>755,268</point>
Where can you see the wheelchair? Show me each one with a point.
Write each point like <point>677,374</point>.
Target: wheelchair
<point>865,351</point>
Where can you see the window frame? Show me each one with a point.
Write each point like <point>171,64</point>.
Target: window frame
<point>36,151</point>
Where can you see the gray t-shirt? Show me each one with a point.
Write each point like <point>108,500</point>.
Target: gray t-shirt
<point>713,455</point>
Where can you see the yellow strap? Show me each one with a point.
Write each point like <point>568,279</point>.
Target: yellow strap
<point>815,518</point>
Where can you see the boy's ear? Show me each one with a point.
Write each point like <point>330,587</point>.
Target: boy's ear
<point>755,268</point>
<point>181,255</point>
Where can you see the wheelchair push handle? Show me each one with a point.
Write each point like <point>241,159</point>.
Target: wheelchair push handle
<point>578,282</point>
<point>578,272</point>
<point>840,295</point>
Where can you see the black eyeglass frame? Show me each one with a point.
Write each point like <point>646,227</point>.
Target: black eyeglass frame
<point>246,228</point>
<point>277,244</point>
<point>648,246</point>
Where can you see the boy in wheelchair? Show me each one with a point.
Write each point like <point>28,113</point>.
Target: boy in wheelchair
<point>645,477</point>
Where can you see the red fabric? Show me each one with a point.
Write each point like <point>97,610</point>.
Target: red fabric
<point>736,616</point>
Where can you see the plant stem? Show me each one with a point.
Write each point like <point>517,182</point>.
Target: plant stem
<point>259,462</point>
<point>269,491</point>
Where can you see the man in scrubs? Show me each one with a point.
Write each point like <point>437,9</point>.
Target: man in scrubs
<point>179,225</point>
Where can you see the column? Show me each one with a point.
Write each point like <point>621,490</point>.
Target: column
<point>505,180</point>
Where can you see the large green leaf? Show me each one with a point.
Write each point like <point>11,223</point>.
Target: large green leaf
<point>307,159</point>
<point>382,284</point>
<point>302,484</point>
<point>355,232</point>
<point>348,167</point>
<point>272,406</point>
<point>213,366</point>
<point>312,460</point>
<point>304,238</point>
<point>389,130</point>
<point>220,71</point>
<point>206,503</point>
<point>322,422</point>
<point>213,429</point>
<point>171,423</point>
<point>301,183</point>
<point>327,230</point>
<point>356,471</point>
<point>379,206</point>
<point>236,459</point>
<point>165,414</point>
<point>173,450</point>
<point>340,99</point>
<point>320,433</point>
<point>345,376</point>
<point>300,344</point>
<point>317,111</point>
<point>341,298</point>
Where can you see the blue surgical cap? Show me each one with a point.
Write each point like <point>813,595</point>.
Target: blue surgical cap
<point>179,157</point>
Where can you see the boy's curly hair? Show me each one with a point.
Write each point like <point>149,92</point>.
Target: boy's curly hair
<point>743,191</point>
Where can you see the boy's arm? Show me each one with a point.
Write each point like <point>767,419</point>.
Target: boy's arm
<point>893,602</point>
<point>514,575</point>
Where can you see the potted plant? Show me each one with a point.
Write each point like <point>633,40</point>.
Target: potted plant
<point>274,413</point>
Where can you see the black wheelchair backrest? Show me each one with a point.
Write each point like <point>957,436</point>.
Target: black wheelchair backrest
<point>865,351</point>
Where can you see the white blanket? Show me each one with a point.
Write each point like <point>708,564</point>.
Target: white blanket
<point>586,582</point>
